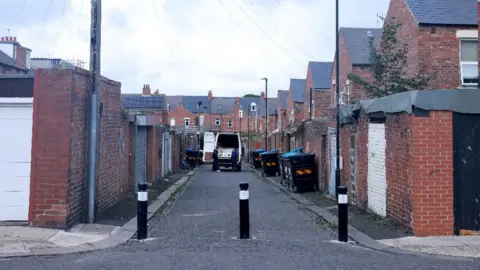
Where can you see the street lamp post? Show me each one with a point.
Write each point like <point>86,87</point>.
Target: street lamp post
<point>337,91</point>
<point>266,111</point>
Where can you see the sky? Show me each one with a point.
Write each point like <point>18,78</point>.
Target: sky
<point>188,47</point>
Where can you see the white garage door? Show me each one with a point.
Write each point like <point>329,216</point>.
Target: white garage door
<point>15,155</point>
<point>377,180</point>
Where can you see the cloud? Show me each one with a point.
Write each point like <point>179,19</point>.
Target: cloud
<point>191,46</point>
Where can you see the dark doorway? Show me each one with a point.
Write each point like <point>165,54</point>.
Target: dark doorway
<point>466,171</point>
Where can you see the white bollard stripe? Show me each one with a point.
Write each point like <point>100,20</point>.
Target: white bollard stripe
<point>244,195</point>
<point>142,196</point>
<point>342,198</point>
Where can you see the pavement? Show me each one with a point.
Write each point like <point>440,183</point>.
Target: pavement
<point>199,231</point>
<point>111,230</point>
<point>381,234</point>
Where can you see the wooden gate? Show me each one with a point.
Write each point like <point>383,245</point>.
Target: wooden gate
<point>466,171</point>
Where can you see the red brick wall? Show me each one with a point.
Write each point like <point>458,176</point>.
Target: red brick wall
<point>49,202</point>
<point>58,185</point>
<point>322,103</point>
<point>398,129</point>
<point>360,130</point>
<point>419,169</point>
<point>408,32</point>
<point>431,174</point>
<point>441,66</point>
<point>21,57</point>
<point>179,114</point>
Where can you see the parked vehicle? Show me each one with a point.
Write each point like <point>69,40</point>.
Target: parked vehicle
<point>225,143</point>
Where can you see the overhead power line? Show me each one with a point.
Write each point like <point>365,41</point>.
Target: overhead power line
<point>237,22</point>
<point>269,36</point>
<point>161,27</point>
<point>43,24</point>
<point>264,18</point>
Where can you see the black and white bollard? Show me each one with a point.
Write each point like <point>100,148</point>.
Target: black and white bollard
<point>342,214</point>
<point>244,212</point>
<point>142,211</point>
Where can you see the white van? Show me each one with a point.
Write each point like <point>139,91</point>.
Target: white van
<point>225,142</point>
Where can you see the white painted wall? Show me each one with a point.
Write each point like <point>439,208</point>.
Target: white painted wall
<point>377,179</point>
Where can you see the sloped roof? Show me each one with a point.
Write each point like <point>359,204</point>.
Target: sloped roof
<point>222,105</point>
<point>298,87</point>
<point>282,97</point>
<point>444,12</point>
<point>191,103</point>
<point>173,101</point>
<point>8,61</point>
<point>321,72</point>
<point>135,101</point>
<point>357,42</point>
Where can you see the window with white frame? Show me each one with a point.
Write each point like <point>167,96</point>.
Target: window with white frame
<point>333,102</point>
<point>202,118</point>
<point>168,107</point>
<point>172,122</point>
<point>217,121</point>
<point>253,107</point>
<point>469,62</point>
<point>230,123</point>
<point>187,122</point>
<point>240,114</point>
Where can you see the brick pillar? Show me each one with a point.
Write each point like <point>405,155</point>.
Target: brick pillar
<point>52,126</point>
<point>431,174</point>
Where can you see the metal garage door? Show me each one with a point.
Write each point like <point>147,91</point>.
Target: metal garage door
<point>140,155</point>
<point>333,160</point>
<point>376,179</point>
<point>15,156</point>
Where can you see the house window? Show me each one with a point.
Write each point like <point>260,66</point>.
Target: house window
<point>28,63</point>
<point>217,121</point>
<point>230,123</point>
<point>168,107</point>
<point>202,118</point>
<point>469,62</point>
<point>253,107</point>
<point>172,122</point>
<point>219,106</point>
<point>240,114</point>
<point>187,122</point>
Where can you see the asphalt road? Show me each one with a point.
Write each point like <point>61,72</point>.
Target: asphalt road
<point>200,230</point>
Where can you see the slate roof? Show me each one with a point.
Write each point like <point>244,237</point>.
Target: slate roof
<point>357,43</point>
<point>298,88</point>
<point>444,12</point>
<point>283,98</point>
<point>173,101</point>
<point>321,72</point>
<point>222,105</point>
<point>135,101</point>
<point>191,103</point>
<point>246,101</point>
<point>8,61</point>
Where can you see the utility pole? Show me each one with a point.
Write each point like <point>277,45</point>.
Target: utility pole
<point>95,80</point>
<point>337,90</point>
<point>266,113</point>
<point>248,127</point>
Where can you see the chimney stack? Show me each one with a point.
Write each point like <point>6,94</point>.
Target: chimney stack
<point>156,92</point>
<point>262,96</point>
<point>210,95</point>
<point>146,90</point>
